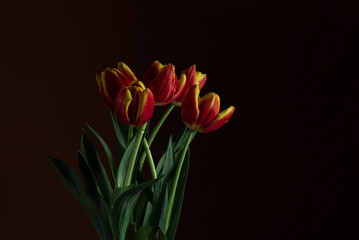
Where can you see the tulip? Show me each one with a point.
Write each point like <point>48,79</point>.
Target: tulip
<point>193,77</point>
<point>201,114</point>
<point>112,80</point>
<point>163,82</point>
<point>134,105</point>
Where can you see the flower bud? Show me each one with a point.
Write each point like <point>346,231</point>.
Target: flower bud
<point>134,105</point>
<point>163,82</point>
<point>192,77</point>
<point>112,80</point>
<point>202,114</point>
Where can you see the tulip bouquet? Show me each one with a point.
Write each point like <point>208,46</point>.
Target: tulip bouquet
<point>124,205</point>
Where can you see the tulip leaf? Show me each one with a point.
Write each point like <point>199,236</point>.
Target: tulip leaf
<point>123,208</point>
<point>74,185</point>
<point>181,139</point>
<point>166,167</point>
<point>117,192</point>
<point>159,211</point>
<point>141,210</point>
<point>102,209</point>
<point>141,179</point>
<point>107,151</point>
<point>166,163</point>
<point>70,179</point>
<point>96,168</point>
<point>178,200</point>
<point>120,130</point>
<point>123,166</point>
<point>144,233</point>
<point>91,185</point>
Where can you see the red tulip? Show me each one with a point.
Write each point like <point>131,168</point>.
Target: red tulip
<point>163,82</point>
<point>193,77</point>
<point>202,114</point>
<point>112,80</point>
<point>134,105</point>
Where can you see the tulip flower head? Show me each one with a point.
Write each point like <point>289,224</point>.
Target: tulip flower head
<point>163,82</point>
<point>112,80</point>
<point>201,114</point>
<point>134,105</point>
<point>192,77</point>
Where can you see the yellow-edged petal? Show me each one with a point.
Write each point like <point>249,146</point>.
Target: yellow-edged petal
<point>121,105</point>
<point>219,121</point>
<point>189,108</point>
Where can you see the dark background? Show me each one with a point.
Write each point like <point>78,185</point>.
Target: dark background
<point>284,167</point>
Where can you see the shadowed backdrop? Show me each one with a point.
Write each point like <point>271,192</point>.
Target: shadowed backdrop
<point>284,167</point>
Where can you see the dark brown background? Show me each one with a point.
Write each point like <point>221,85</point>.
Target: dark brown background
<point>284,167</point>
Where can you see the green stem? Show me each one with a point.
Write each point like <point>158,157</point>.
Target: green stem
<point>175,180</point>
<point>130,134</point>
<point>131,165</point>
<point>159,124</point>
<point>150,159</point>
<point>155,131</point>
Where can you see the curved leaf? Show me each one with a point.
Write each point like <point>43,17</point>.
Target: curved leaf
<point>103,211</point>
<point>74,185</point>
<point>96,168</point>
<point>123,209</point>
<point>145,233</point>
<point>177,204</point>
<point>107,150</point>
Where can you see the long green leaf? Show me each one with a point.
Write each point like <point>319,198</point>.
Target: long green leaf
<point>144,208</point>
<point>141,210</point>
<point>123,209</point>
<point>92,187</point>
<point>70,179</point>
<point>97,170</point>
<point>102,209</point>
<point>167,162</point>
<point>74,185</point>
<point>181,139</point>
<point>117,192</point>
<point>107,150</point>
<point>177,204</point>
<point>167,168</point>
<point>123,166</point>
<point>120,130</point>
<point>159,211</point>
<point>144,233</point>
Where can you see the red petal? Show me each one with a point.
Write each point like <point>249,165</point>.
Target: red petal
<point>190,81</point>
<point>152,71</point>
<point>112,83</point>
<point>164,85</point>
<point>208,108</point>
<point>126,71</point>
<point>121,105</point>
<point>145,106</point>
<point>108,102</point>
<point>219,121</point>
<point>189,109</point>
<point>201,79</point>
<point>180,87</point>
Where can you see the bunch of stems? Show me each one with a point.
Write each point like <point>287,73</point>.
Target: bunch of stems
<point>147,154</point>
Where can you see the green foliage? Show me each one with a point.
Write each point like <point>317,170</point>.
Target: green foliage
<point>123,208</point>
<point>74,185</point>
<point>107,150</point>
<point>145,233</point>
<point>95,166</point>
<point>123,166</point>
<point>135,212</point>
<point>177,205</point>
